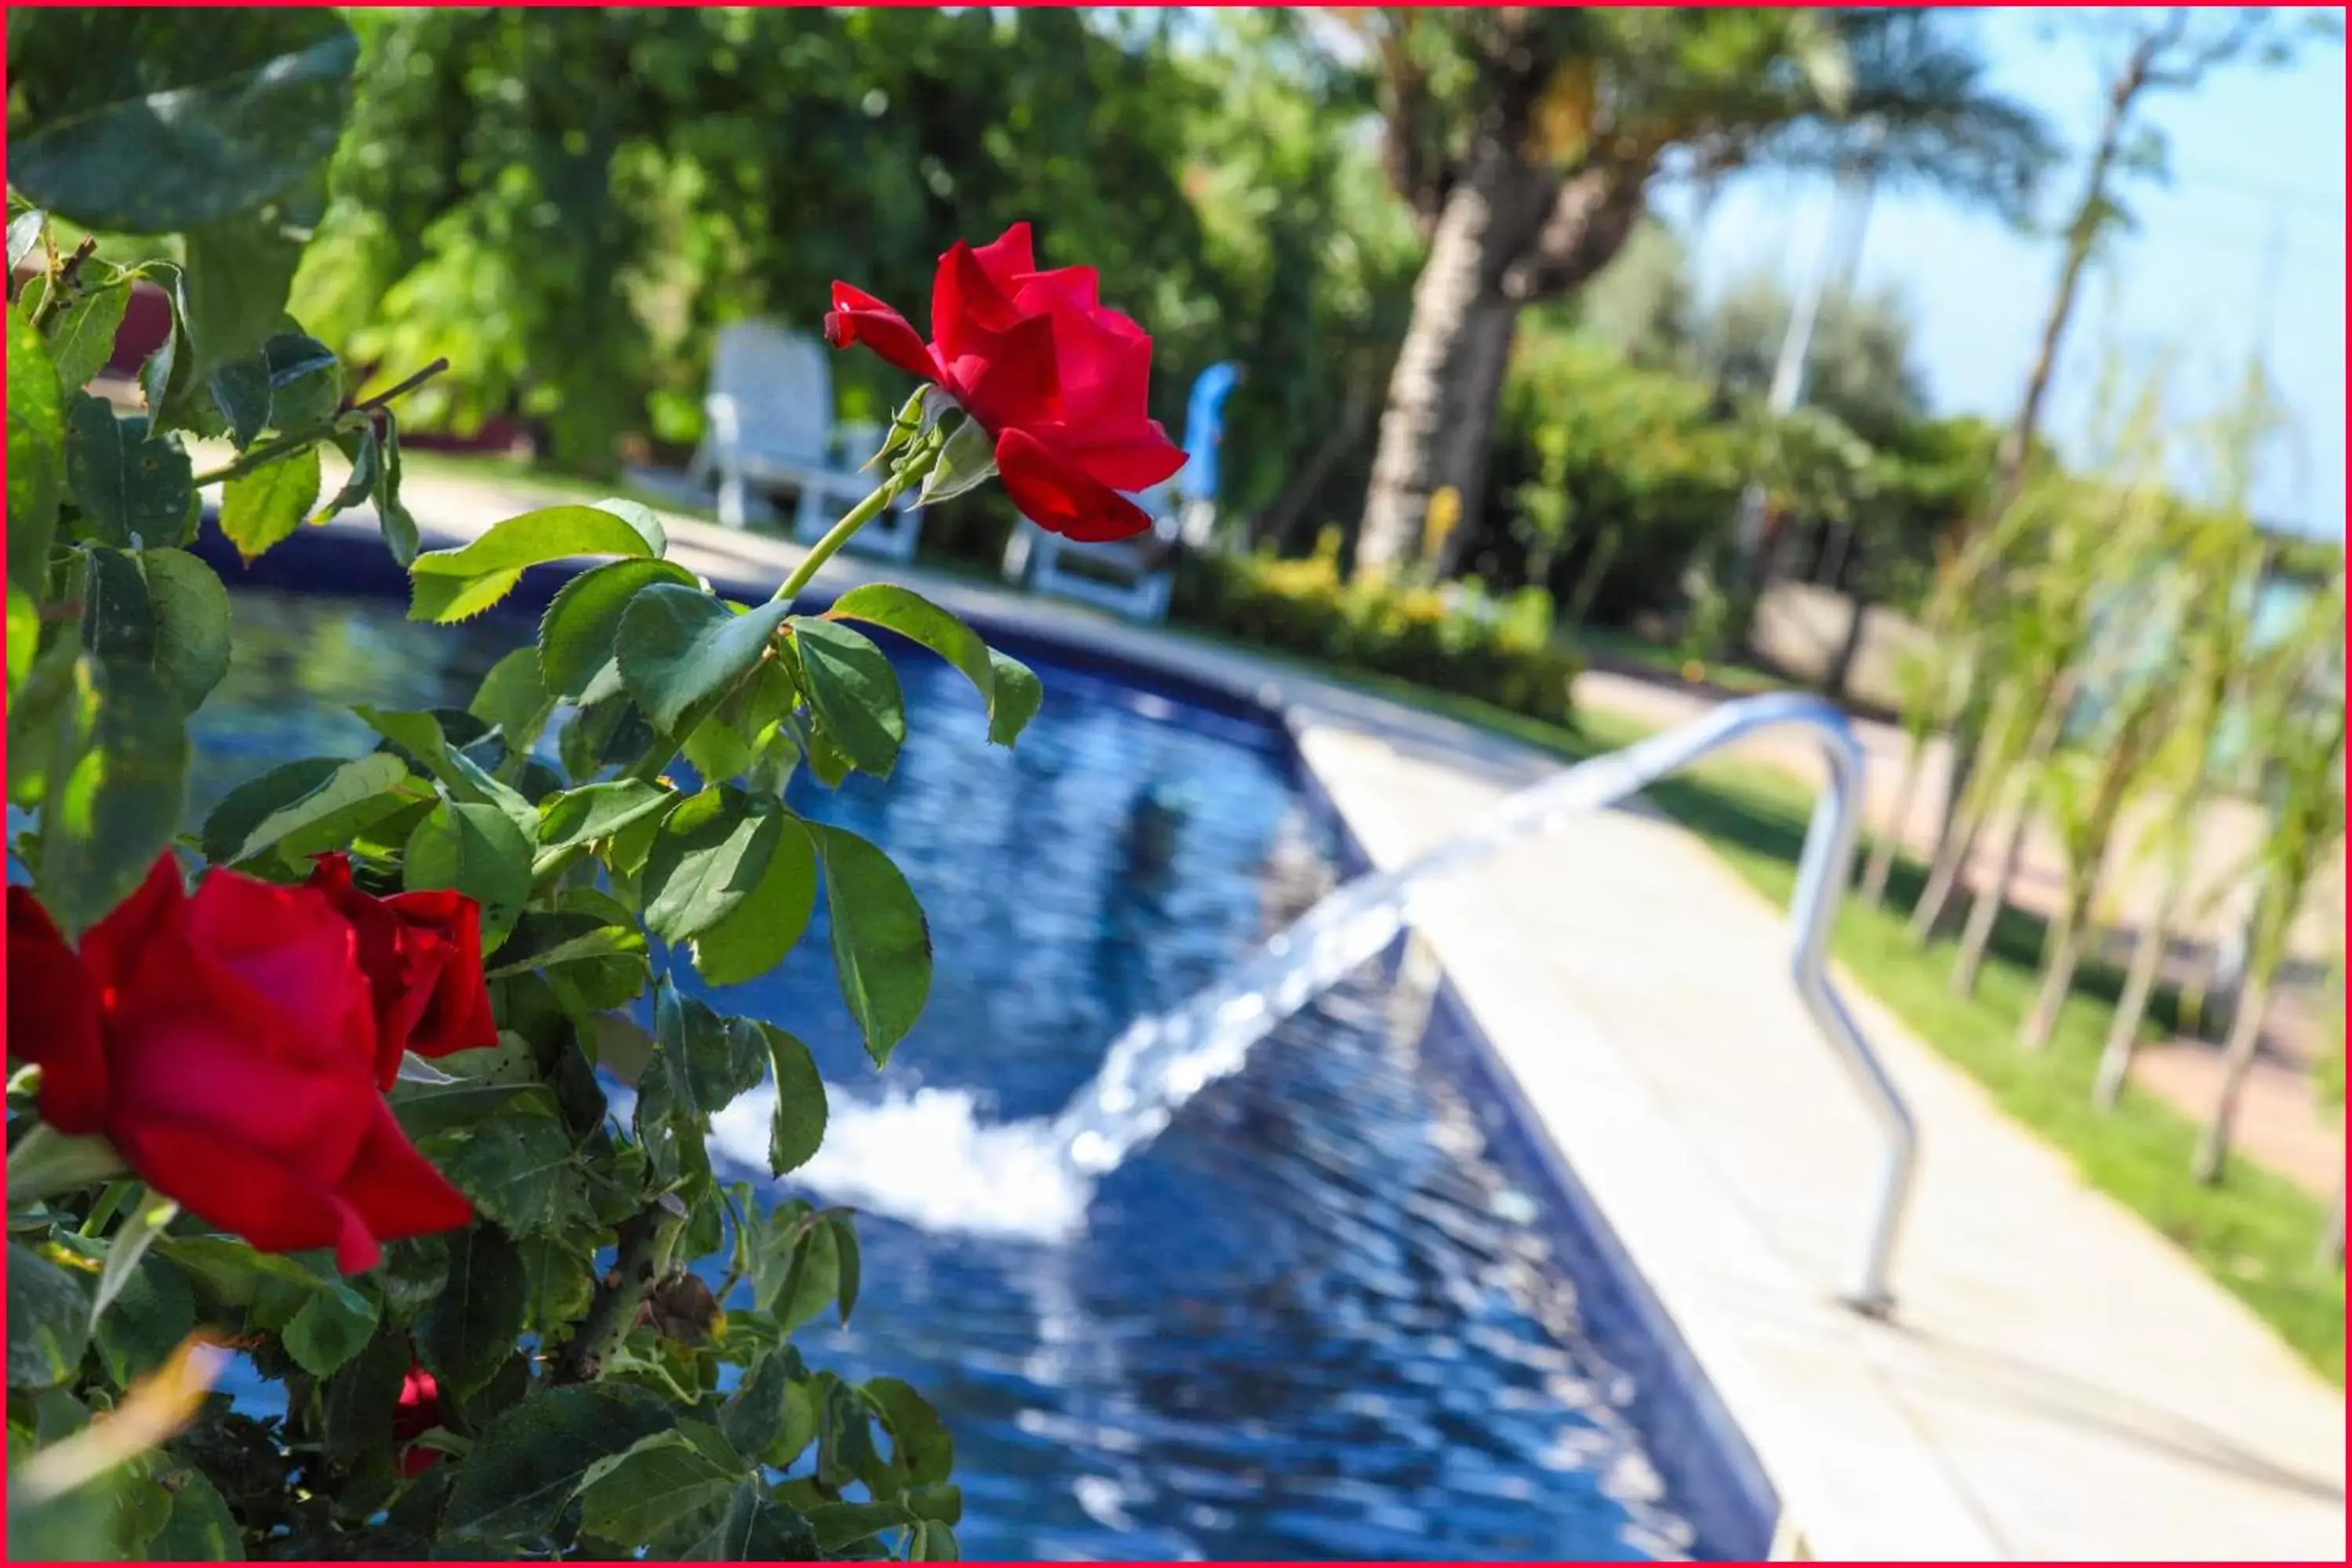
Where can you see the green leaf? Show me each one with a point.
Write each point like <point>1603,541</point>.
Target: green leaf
<point>848,1266</point>
<point>248,806</point>
<point>360,1398</point>
<point>854,690</point>
<point>306,380</point>
<point>799,1125</point>
<point>1009,687</point>
<point>197,115</point>
<point>262,509</point>
<point>24,236</point>
<point>1019,695</point>
<point>234,285</point>
<point>518,1168</point>
<point>757,1527</point>
<point>577,634</point>
<point>117,624</point>
<point>479,851</point>
<point>24,637</point>
<point>154,1312</point>
<point>147,1214</point>
<point>117,806</point>
<point>680,648</point>
<point>82,335</point>
<point>48,1321</point>
<point>921,1445</point>
<point>37,461</point>
<point>934,1543</point>
<point>717,751</point>
<point>667,1488</point>
<point>467,1334</point>
<point>754,936</point>
<point>512,697</point>
<point>753,1419</point>
<point>708,1065</point>
<point>526,1466</point>
<point>365,451</point>
<point>600,810</point>
<point>451,584</point>
<point>348,797</point>
<point>131,490</point>
<point>201,1528</point>
<point>939,1500</point>
<point>236,1273</point>
<point>190,610</point>
<point>966,461</point>
<point>561,1285</point>
<point>400,534</point>
<point>708,859</point>
<point>241,392</point>
<point>841,1524</point>
<point>334,1325</point>
<point>881,944</point>
<point>418,734</point>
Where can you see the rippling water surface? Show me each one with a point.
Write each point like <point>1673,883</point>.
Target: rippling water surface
<point>1312,1320</point>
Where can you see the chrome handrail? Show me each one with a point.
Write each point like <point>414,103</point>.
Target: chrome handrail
<point>1824,869</point>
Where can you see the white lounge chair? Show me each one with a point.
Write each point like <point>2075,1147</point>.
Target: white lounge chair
<point>1119,576</point>
<point>771,417</point>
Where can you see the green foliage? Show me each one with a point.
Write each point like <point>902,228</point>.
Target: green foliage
<point>581,1411</point>
<point>1439,638</point>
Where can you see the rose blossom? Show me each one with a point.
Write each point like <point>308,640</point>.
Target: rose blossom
<point>422,953</point>
<point>226,1043</point>
<point>1057,378</point>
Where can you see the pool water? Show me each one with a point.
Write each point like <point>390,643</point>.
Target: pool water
<point>1314,1319</point>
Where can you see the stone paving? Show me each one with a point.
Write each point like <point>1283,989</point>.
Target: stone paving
<point>2057,1382</point>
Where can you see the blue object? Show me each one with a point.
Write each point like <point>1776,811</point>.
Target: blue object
<point>1205,430</point>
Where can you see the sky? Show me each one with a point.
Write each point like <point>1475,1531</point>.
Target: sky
<point>2245,248</point>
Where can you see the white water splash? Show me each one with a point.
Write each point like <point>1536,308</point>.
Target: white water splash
<point>925,1157</point>
<point>928,1159</point>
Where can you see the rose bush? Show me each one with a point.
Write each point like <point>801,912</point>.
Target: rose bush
<point>345,1104</point>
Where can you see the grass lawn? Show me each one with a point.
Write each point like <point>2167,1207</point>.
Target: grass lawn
<point>2256,1234</point>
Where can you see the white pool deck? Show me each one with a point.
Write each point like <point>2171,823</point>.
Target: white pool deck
<point>2057,1380</point>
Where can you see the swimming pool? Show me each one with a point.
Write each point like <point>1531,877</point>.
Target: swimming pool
<point>1322,1316</point>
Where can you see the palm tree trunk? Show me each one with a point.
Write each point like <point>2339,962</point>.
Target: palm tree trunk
<point>2236,1061</point>
<point>1890,832</point>
<point>1991,897</point>
<point>1448,377</point>
<point>1960,841</point>
<point>2060,952</point>
<point>2139,985</point>
<point>2092,213</point>
<point>2331,1229</point>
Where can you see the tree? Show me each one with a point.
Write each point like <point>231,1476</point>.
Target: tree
<point>2171,49</point>
<point>2307,714</point>
<point>1525,140</point>
<point>2216,668</point>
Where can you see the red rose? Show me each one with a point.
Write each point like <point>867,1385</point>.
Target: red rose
<point>418,1412</point>
<point>1058,379</point>
<point>226,1043</point>
<point>422,953</point>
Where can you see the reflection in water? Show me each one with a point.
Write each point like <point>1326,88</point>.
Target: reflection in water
<point>1312,1319</point>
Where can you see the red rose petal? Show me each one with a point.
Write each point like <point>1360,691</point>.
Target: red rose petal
<point>1062,497</point>
<point>858,317</point>
<point>53,1018</point>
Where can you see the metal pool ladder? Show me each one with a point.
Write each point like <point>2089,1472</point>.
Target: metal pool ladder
<point>1822,872</point>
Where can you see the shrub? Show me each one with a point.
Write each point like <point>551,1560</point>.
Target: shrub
<point>1453,638</point>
